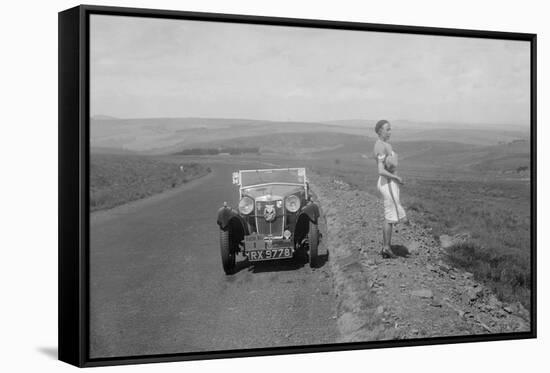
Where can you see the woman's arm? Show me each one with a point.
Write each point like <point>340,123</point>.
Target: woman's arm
<point>380,153</point>
<point>383,172</point>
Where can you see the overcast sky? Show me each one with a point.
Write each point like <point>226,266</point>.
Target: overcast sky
<point>142,67</point>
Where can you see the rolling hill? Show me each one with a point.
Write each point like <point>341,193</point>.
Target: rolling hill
<point>167,135</point>
<point>468,133</point>
<point>292,142</point>
<point>507,157</point>
<point>170,135</point>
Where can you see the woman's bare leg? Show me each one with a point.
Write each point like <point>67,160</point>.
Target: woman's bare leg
<point>386,234</point>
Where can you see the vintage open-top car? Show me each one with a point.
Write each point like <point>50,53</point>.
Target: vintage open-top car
<point>276,218</point>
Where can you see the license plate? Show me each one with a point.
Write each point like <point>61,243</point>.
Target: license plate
<point>269,254</point>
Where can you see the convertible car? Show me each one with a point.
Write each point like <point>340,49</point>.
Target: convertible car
<point>276,218</point>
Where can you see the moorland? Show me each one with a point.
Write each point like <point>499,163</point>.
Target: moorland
<point>461,180</point>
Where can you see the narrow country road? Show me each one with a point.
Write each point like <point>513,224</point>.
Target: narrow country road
<point>157,284</point>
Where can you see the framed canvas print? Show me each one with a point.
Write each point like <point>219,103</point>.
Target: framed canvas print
<point>235,186</point>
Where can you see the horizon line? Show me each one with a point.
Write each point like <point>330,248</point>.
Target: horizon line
<point>112,117</point>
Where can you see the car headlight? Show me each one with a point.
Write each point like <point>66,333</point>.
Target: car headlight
<point>292,203</point>
<point>246,205</point>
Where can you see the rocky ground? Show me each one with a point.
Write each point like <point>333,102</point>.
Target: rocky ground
<point>416,295</point>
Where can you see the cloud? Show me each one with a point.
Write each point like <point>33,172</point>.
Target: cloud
<point>158,67</point>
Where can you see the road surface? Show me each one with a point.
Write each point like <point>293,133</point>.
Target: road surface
<point>157,284</point>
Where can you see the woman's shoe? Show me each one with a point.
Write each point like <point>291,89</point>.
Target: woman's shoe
<point>387,253</point>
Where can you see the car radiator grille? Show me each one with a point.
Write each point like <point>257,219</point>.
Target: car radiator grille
<point>275,227</point>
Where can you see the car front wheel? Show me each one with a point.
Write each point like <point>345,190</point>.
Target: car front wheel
<point>228,256</point>
<point>313,239</point>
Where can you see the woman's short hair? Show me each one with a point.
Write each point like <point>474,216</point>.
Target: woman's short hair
<point>379,125</point>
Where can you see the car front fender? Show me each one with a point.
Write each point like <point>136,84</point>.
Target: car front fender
<point>312,212</point>
<point>229,218</point>
<point>225,214</point>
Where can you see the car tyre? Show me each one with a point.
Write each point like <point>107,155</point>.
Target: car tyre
<point>313,241</point>
<point>300,254</point>
<point>228,255</point>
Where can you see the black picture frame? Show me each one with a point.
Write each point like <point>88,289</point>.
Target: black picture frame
<point>74,212</point>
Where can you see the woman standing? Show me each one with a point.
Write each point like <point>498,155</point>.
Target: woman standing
<point>388,184</point>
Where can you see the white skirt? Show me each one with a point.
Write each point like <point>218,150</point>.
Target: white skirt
<point>389,189</point>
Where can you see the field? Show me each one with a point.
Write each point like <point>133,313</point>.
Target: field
<point>116,179</point>
<point>451,196</point>
<point>471,181</point>
<point>496,217</point>
<point>492,209</point>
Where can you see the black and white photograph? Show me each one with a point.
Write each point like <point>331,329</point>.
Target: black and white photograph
<point>260,186</point>
<point>275,186</point>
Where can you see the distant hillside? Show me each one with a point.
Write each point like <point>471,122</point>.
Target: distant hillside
<point>103,150</point>
<point>465,136</point>
<point>475,134</point>
<point>507,157</point>
<point>416,125</point>
<point>168,135</point>
<point>513,157</point>
<point>290,142</point>
<point>103,117</point>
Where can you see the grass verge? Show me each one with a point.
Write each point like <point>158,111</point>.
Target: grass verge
<point>118,179</point>
<point>496,214</point>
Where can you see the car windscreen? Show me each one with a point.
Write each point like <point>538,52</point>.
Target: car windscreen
<point>254,177</point>
<point>275,190</point>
